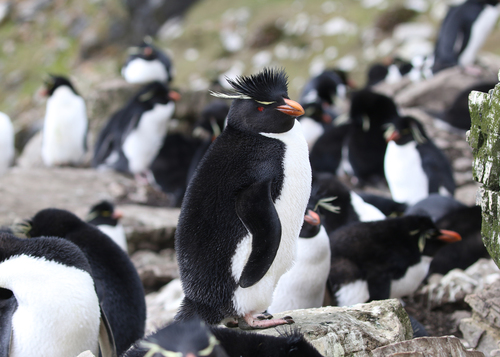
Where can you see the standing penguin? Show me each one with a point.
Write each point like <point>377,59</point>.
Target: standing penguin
<point>414,166</point>
<point>147,63</point>
<point>463,32</point>
<point>244,207</point>
<point>303,286</point>
<point>48,301</point>
<point>64,140</point>
<point>383,259</point>
<point>134,135</point>
<point>104,216</point>
<point>117,283</point>
<point>6,143</point>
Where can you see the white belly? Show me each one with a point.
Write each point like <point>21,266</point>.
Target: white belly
<point>141,71</point>
<point>365,211</point>
<point>405,176</point>
<point>291,207</point>
<point>6,143</point>
<point>353,293</point>
<point>312,130</point>
<point>64,128</point>
<point>143,144</point>
<point>412,279</point>
<point>303,286</point>
<point>116,233</point>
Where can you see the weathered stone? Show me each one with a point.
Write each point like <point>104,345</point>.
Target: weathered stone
<point>426,346</point>
<point>155,269</point>
<point>163,305</point>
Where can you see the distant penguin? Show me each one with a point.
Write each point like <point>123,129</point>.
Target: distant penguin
<point>387,206</point>
<point>118,286</point>
<point>193,338</point>
<point>104,216</point>
<point>64,139</point>
<point>435,206</point>
<point>147,63</point>
<point>327,153</point>
<point>134,135</point>
<point>49,304</point>
<point>303,286</point>
<point>463,32</point>
<point>244,207</point>
<point>383,259</point>
<point>414,166</point>
<point>369,114</point>
<point>391,72</point>
<point>7,150</point>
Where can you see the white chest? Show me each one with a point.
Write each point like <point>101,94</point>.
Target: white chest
<point>405,176</point>
<point>365,211</point>
<point>143,143</point>
<point>141,71</point>
<point>312,130</point>
<point>6,143</point>
<point>412,279</point>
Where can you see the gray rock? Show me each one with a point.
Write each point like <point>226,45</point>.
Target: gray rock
<point>155,269</point>
<point>426,346</point>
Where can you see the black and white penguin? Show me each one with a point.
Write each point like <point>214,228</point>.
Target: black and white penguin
<point>48,301</point>
<point>463,32</point>
<point>117,283</point>
<point>244,207</point>
<point>370,112</point>
<point>147,63</point>
<point>414,166</point>
<point>391,71</point>
<point>104,216</point>
<point>193,338</point>
<point>383,259</point>
<point>64,139</point>
<point>134,135</point>
<point>303,286</point>
<point>387,206</point>
<point>7,149</point>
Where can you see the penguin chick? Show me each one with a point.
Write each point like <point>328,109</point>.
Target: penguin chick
<point>7,150</point>
<point>414,166</point>
<point>147,63</point>
<point>383,259</point>
<point>117,283</point>
<point>134,135</point>
<point>64,139</point>
<point>49,305</point>
<point>244,207</point>
<point>104,216</point>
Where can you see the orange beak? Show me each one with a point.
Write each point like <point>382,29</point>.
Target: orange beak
<point>174,96</point>
<point>291,108</point>
<point>117,214</point>
<point>449,236</point>
<point>312,218</point>
<point>148,51</point>
<point>394,136</point>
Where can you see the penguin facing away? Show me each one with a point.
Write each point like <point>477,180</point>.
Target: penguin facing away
<point>64,139</point>
<point>117,283</point>
<point>303,286</point>
<point>104,216</point>
<point>7,150</point>
<point>244,207</point>
<point>147,63</point>
<point>133,136</point>
<point>415,167</point>
<point>48,302</point>
<point>383,259</point>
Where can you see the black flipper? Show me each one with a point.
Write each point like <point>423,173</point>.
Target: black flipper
<point>106,338</point>
<point>255,208</point>
<point>8,305</point>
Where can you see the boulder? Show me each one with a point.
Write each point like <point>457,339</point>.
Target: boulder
<point>155,269</point>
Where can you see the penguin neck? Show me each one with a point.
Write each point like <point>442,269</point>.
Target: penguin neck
<point>54,300</point>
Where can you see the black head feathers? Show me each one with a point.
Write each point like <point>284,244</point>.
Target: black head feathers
<point>266,86</point>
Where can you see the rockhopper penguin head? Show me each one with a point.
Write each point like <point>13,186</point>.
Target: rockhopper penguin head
<point>405,129</point>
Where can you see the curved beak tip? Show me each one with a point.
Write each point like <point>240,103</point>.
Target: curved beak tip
<point>291,108</point>
<point>312,218</point>
<point>449,236</point>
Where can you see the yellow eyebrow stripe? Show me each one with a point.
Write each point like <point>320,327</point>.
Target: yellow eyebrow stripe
<point>265,103</point>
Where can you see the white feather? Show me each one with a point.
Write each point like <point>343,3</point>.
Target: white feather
<point>303,286</point>
<point>58,310</point>
<point>116,233</point>
<point>144,142</point>
<point>290,206</point>
<point>393,74</point>
<point>139,71</point>
<point>405,176</point>
<point>64,128</point>
<point>6,143</point>
<point>365,211</point>
<point>409,283</point>
<point>353,293</point>
<point>312,130</point>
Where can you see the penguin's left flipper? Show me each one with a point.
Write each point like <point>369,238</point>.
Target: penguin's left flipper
<point>8,305</point>
<point>106,338</point>
<point>255,208</point>
<point>437,168</point>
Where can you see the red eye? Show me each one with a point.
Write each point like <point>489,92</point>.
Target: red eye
<point>260,109</point>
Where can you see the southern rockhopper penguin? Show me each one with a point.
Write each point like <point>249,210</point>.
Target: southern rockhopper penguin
<point>244,207</point>
<point>104,216</point>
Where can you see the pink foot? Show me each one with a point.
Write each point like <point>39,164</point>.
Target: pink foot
<point>250,322</point>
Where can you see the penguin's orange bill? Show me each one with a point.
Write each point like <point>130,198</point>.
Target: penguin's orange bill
<point>394,136</point>
<point>291,108</point>
<point>117,214</point>
<point>174,95</point>
<point>312,218</point>
<point>449,236</point>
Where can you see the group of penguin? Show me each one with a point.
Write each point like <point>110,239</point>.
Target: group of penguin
<point>266,223</point>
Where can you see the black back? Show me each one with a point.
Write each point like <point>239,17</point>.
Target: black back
<point>117,283</point>
<point>326,85</point>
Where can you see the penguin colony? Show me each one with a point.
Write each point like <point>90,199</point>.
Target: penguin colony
<point>266,223</point>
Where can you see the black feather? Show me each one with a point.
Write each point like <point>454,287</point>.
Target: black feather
<point>264,86</point>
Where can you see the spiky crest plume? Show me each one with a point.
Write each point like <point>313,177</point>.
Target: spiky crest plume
<point>261,87</point>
